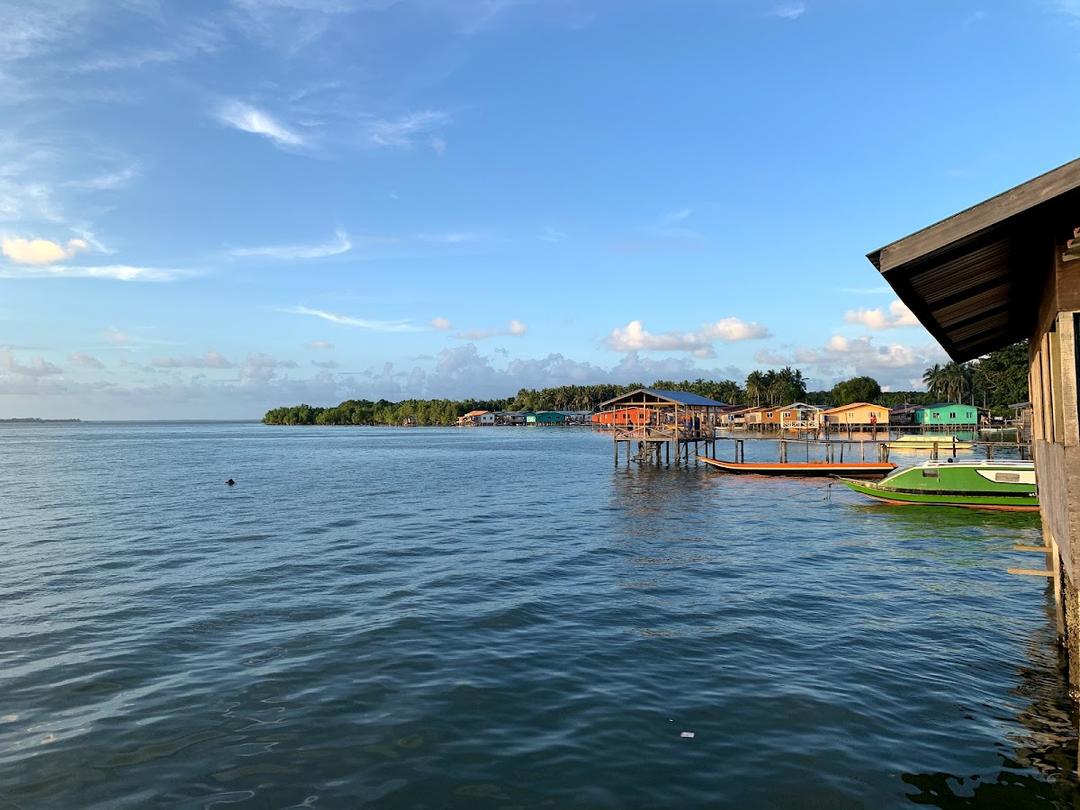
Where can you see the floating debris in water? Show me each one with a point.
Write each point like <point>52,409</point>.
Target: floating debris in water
<point>687,735</point>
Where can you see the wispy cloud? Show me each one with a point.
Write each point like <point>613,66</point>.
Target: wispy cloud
<point>403,132</point>
<point>441,323</point>
<point>193,40</point>
<point>402,325</point>
<point>877,318</point>
<point>668,231</point>
<point>450,238</point>
<point>634,337</point>
<point>246,118</point>
<point>514,328</point>
<point>209,360</point>
<point>107,181</point>
<point>118,337</point>
<point>320,345</point>
<point>338,245</point>
<point>788,11</point>
<point>113,272</point>
<point>552,235</point>
<point>1070,8</point>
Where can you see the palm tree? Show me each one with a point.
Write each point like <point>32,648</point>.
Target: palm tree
<point>955,381</point>
<point>934,379</point>
<point>755,387</point>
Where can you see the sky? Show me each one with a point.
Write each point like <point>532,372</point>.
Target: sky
<point>211,209</point>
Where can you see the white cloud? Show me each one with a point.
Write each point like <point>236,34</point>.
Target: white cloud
<point>514,328</point>
<point>246,118</point>
<point>439,146</point>
<point>789,11</point>
<point>892,364</point>
<point>262,383</point>
<point>84,360</point>
<point>322,345</point>
<point>38,252</point>
<point>402,132</point>
<point>634,337</point>
<point>877,318</point>
<point>441,323</point>
<point>115,272</point>
<point>340,244</point>
<point>38,367</point>
<point>324,364</point>
<point>403,325</point>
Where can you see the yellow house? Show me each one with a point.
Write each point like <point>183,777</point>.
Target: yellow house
<point>857,416</point>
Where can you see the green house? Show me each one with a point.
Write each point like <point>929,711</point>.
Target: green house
<point>947,414</point>
<point>545,418</point>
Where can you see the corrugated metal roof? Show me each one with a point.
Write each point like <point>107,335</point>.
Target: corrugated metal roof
<point>681,397</point>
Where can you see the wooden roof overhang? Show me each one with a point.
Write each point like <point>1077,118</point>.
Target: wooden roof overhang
<point>975,280</point>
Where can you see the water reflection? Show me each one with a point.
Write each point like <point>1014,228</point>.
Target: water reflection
<point>1045,741</point>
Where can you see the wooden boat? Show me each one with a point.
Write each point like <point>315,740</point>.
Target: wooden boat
<point>1002,485</point>
<point>859,469</point>
<point>944,442</point>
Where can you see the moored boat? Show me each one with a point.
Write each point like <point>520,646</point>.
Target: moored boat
<point>855,469</point>
<point>928,441</point>
<point>1002,485</point>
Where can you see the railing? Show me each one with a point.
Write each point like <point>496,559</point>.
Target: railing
<point>665,433</point>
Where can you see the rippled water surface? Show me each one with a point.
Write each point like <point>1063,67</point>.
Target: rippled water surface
<point>498,618</point>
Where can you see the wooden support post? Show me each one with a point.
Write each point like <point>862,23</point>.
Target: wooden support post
<point>1031,572</point>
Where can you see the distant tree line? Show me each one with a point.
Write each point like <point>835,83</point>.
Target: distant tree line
<point>993,382</point>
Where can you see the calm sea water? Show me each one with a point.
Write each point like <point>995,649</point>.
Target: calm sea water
<point>499,618</point>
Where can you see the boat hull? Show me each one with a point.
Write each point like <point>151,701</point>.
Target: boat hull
<point>800,469</point>
<point>962,486</point>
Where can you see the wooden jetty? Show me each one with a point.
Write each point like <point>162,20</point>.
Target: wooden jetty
<point>652,422</point>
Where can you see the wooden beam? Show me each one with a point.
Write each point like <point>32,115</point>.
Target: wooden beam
<point>1039,549</point>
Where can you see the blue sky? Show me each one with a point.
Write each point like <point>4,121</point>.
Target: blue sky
<point>210,209</point>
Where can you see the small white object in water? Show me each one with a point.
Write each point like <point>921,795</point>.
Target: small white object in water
<point>687,735</point>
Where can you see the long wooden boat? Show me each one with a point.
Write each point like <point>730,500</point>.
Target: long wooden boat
<point>1000,485</point>
<point>860,469</point>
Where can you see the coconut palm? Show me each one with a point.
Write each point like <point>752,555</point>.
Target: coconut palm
<point>934,378</point>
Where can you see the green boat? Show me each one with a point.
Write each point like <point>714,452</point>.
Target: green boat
<point>1003,485</point>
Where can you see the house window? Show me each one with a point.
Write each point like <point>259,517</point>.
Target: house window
<point>952,415</point>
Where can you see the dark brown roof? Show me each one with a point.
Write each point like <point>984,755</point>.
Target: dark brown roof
<point>974,279</point>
